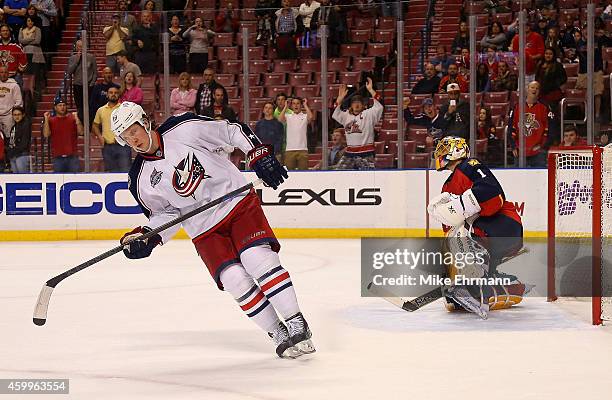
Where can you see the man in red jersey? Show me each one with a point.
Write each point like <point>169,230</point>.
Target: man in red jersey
<point>534,51</point>
<point>63,128</point>
<point>538,118</point>
<point>477,218</point>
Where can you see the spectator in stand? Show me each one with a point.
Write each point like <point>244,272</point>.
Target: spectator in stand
<point>130,91</point>
<point>280,101</point>
<point>126,20</point>
<point>306,10</point>
<point>12,55</point>
<point>178,58</point>
<point>115,35</point>
<point>571,138</point>
<point>199,38</point>
<point>286,27</point>
<point>462,39</point>
<point>442,60</point>
<point>464,63</point>
<point>99,94</point>
<point>453,77</point>
<point>183,98</point>
<point>358,123</point>
<point>15,11</point>
<point>430,83</point>
<point>604,139</point>
<point>204,96</point>
<point>75,69</point>
<point>483,82</point>
<point>31,12</point>
<point>45,10</point>
<point>117,158</point>
<point>270,131</point>
<point>487,130</point>
<point>495,37</point>
<point>334,17</point>
<point>607,12</point>
<point>227,20</point>
<point>552,41</point>
<point>63,128</point>
<point>505,80</point>
<point>537,120</point>
<point>264,12</point>
<point>491,62</point>
<point>220,108</point>
<point>126,66</point>
<point>534,51</point>
<point>601,41</point>
<point>453,119</point>
<point>542,27</point>
<point>30,39</point>
<point>551,75</point>
<point>424,118</point>
<point>146,39</point>
<point>11,96</point>
<point>338,142</point>
<point>18,141</point>
<point>296,152</point>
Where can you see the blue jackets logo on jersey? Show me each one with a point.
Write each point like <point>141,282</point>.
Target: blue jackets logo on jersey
<point>155,177</point>
<point>187,176</point>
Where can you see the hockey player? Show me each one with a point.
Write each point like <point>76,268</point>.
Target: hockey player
<point>473,195</point>
<point>177,170</point>
<point>358,124</point>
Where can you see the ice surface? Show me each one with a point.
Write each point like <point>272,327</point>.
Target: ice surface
<point>159,329</point>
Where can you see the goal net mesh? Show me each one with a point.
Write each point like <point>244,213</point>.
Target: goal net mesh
<point>574,224</point>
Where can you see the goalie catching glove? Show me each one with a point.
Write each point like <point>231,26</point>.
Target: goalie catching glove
<point>261,160</point>
<point>139,248</point>
<point>452,210</point>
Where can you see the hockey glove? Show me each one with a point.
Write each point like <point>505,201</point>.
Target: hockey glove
<point>261,160</point>
<point>139,248</point>
<point>452,210</point>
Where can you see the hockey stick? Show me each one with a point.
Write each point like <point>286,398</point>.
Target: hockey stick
<point>40,310</point>
<point>429,297</point>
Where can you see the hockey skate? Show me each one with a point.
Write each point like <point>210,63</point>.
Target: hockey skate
<point>284,345</point>
<point>462,296</point>
<point>300,334</point>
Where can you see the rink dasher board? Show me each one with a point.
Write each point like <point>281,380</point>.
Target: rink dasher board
<point>311,204</point>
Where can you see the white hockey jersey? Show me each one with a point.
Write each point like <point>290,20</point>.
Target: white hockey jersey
<point>359,129</point>
<point>188,170</point>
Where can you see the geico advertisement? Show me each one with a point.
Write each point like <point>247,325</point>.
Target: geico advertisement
<point>527,189</point>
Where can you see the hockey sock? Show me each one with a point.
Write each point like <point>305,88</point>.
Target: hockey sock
<point>274,280</point>
<point>250,298</point>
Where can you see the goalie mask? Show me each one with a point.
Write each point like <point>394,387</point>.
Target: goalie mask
<point>126,115</point>
<point>450,148</point>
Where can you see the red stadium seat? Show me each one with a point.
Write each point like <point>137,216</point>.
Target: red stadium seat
<point>254,114</point>
<point>363,23</point>
<point>378,49</point>
<point>380,147</point>
<point>252,36</point>
<point>440,98</point>
<point>364,64</point>
<point>256,92</point>
<point>337,64</point>
<point>315,104</point>
<point>575,94</point>
<point>232,91</point>
<point>409,147</point>
<point>254,79</point>
<point>231,67</point>
<point>386,23</point>
<point>307,91</point>
<point>255,53</point>
<point>259,66</point>
<point>299,78</point>
<point>417,99</point>
<point>384,36</point>
<point>258,103</point>
<point>331,77</point>
<point>501,109</point>
<point>417,160</point>
<point>350,78</point>
<point>310,66</point>
<point>571,70</point>
<point>481,146</point>
<point>285,65</point>
<point>351,50</point>
<point>383,161</point>
<point>272,91</point>
<point>388,134</point>
<point>224,39</point>
<point>248,14</point>
<point>226,79</point>
<point>495,97</point>
<point>360,35</point>
<point>274,78</point>
<point>332,91</point>
<point>227,53</point>
<point>389,123</point>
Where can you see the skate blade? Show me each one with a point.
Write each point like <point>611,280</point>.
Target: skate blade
<point>291,353</point>
<point>306,347</point>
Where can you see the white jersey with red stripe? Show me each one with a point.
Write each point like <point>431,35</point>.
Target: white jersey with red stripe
<point>359,129</point>
<point>188,170</point>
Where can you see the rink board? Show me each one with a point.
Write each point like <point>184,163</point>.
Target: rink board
<point>311,204</point>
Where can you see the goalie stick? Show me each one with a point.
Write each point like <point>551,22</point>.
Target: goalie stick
<point>411,305</point>
<point>42,305</point>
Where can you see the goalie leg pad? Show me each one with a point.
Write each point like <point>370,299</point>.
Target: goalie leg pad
<point>470,259</point>
<point>264,265</point>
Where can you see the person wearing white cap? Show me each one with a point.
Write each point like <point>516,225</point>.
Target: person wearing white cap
<point>454,116</point>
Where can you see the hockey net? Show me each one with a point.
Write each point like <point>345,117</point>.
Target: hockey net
<point>580,227</point>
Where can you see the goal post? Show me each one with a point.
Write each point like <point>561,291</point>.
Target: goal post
<point>580,222</point>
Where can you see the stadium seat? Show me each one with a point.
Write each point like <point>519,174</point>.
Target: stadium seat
<point>227,53</point>
<point>380,147</point>
<point>417,99</point>
<point>252,36</point>
<point>364,64</point>
<point>481,146</point>
<point>254,79</point>
<point>226,79</point>
<point>389,123</point>
<point>363,23</point>
<point>571,70</point>
<point>384,36</point>
<point>310,66</point>
<point>440,98</point>
<point>255,53</point>
<point>504,18</point>
<point>495,97</point>
<point>299,78</point>
<point>378,49</point>
<point>306,91</point>
<point>331,77</point>
<point>223,39</point>
<point>285,65</point>
<point>272,91</point>
<point>258,103</point>
<point>388,134</point>
<point>248,14</point>
<point>409,147</point>
<point>337,64</point>
<point>575,94</point>
<point>417,160</point>
<point>350,78</point>
<point>570,84</point>
<point>333,90</point>
<point>231,67</point>
<point>254,114</point>
<point>360,35</point>
<point>232,91</point>
<point>259,66</point>
<point>351,50</point>
<point>386,23</point>
<point>256,92</point>
<point>500,109</point>
<point>383,161</point>
<point>315,104</point>
<point>274,78</point>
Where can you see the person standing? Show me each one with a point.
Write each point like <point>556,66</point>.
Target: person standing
<point>129,91</point>
<point>270,131</point>
<point>63,129</point>
<point>15,11</point>
<point>220,109</point>
<point>115,35</point>
<point>18,141</point>
<point>534,51</point>
<point>30,38</point>
<point>178,61</point>
<point>453,119</point>
<point>182,98</point>
<point>12,55</point>
<point>199,38</point>
<point>10,96</point>
<point>98,96</point>
<point>117,158</point>
<point>126,66</point>
<point>146,41</point>
<point>296,151</point>
<point>45,10</point>
<point>206,90</point>
<point>75,69</point>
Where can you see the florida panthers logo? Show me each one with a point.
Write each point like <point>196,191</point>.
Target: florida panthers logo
<point>187,176</point>
<point>531,124</point>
